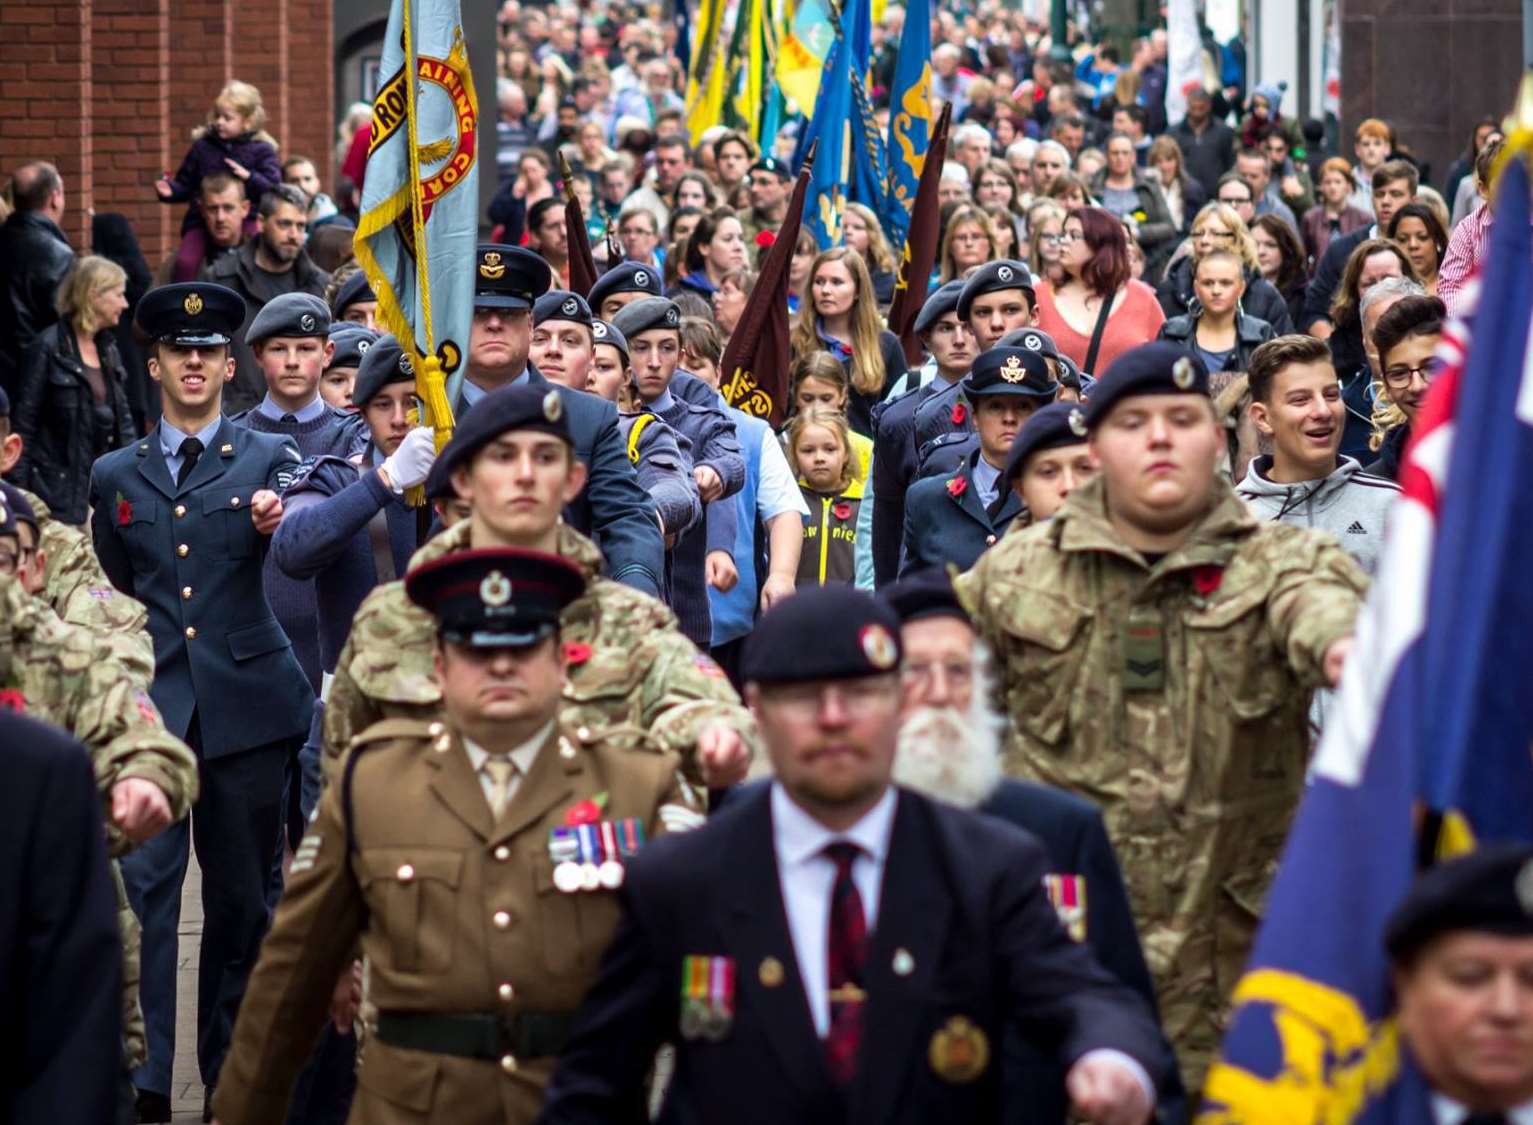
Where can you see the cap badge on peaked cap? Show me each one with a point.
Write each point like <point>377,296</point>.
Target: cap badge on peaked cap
<point>495,590</point>
<point>192,304</point>
<point>492,268</point>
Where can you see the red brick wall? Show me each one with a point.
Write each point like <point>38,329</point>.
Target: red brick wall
<point>110,90</point>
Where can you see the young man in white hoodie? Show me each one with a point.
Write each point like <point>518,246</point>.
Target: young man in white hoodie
<point>1296,403</point>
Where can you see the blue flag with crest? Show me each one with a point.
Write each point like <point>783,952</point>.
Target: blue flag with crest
<point>910,121</point>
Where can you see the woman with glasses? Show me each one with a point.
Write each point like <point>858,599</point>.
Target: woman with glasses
<point>1218,227</point>
<point>1420,233</point>
<point>969,242</point>
<point>1406,338</point>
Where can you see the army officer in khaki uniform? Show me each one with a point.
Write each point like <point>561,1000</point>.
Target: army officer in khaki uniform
<point>1157,647</point>
<point>475,857</point>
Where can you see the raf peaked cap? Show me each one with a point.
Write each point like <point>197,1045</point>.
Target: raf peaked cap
<point>1489,890</point>
<point>500,597</point>
<point>926,593</point>
<point>823,633</point>
<point>626,277</point>
<point>1009,371</point>
<point>992,277</point>
<point>1056,425</point>
<point>521,406</point>
<point>1160,368</point>
<point>291,314</point>
<point>603,332</point>
<point>561,304</point>
<point>355,288</point>
<point>641,316</point>
<point>943,300</point>
<point>509,277</point>
<point>351,343</point>
<point>196,314</point>
<point>383,362</point>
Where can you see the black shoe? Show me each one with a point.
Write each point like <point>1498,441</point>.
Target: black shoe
<point>152,1106</point>
<point>207,1105</point>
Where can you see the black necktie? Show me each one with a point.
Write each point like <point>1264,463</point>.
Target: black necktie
<point>290,419</point>
<point>191,449</point>
<point>1488,1117</point>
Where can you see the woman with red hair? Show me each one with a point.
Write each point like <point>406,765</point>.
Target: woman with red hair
<point>1098,311</point>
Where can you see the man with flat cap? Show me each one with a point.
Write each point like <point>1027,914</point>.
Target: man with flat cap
<point>953,519</point>
<point>831,943</point>
<point>180,521</point>
<point>624,284</point>
<point>951,346</point>
<point>561,338</point>
<point>1049,459</point>
<point>612,508</point>
<point>1158,647</point>
<point>1461,955</point>
<point>512,459</point>
<point>475,857</point>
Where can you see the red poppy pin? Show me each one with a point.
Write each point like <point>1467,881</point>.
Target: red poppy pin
<point>842,510</point>
<point>957,487</point>
<point>11,699</point>
<point>585,812</point>
<point>960,414</point>
<point>124,511</point>
<point>765,238</point>
<point>1207,579</point>
<point>576,653</point>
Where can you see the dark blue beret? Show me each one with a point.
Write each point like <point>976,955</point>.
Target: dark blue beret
<point>383,362</point>
<point>992,277</point>
<point>1161,368</point>
<point>291,314</point>
<point>355,288</point>
<point>1055,425</point>
<point>5,404</point>
<point>823,633</point>
<point>496,597</point>
<point>1009,371</point>
<point>521,406</point>
<point>351,343</point>
<point>1488,890</point>
<point>194,314</point>
<point>942,300</point>
<point>509,277</point>
<point>561,304</point>
<point>641,316</point>
<point>603,332</point>
<point>625,277</point>
<point>926,593</point>
<point>1033,339</point>
<point>771,164</point>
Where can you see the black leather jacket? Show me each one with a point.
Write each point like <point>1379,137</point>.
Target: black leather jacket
<point>35,257</point>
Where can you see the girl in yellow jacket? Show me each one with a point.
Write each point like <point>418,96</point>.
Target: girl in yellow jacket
<point>820,448</point>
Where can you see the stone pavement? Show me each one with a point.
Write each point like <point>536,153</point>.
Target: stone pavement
<point>185,1084</point>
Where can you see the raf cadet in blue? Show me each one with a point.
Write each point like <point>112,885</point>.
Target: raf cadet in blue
<point>180,521</point>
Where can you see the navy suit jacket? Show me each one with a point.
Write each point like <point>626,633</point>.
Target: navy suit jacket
<point>613,508</point>
<point>60,955</point>
<point>962,896</point>
<point>941,528</point>
<point>192,554</point>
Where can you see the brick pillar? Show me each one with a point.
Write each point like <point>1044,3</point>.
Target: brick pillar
<point>45,100</point>
<point>202,60</point>
<point>311,87</point>
<point>131,106</point>
<point>266,66</point>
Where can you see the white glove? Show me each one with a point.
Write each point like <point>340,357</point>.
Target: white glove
<point>410,464</point>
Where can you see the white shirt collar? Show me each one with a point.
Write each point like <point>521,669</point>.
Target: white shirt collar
<point>798,837</point>
<point>1446,1111</point>
<point>523,756</point>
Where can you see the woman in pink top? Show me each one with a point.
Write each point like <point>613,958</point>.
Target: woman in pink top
<point>1094,253</point>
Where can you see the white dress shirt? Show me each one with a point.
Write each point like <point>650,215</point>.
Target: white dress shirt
<point>1446,1111</point>
<point>522,757</point>
<point>807,875</point>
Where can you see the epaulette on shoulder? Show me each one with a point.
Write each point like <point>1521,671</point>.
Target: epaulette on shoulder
<point>386,730</point>
<point>612,736</point>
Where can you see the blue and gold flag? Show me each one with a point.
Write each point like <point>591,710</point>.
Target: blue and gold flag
<point>910,120</point>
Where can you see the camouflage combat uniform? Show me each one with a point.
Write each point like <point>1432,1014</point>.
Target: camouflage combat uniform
<point>55,672</point>
<point>1197,758</point>
<point>79,591</point>
<point>628,663</point>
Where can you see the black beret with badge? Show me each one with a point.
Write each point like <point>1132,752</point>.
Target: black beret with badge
<point>993,277</point>
<point>15,509</point>
<point>943,300</point>
<point>823,633</point>
<point>290,315</point>
<point>499,597</point>
<point>1490,890</point>
<point>626,277</point>
<point>195,314</point>
<point>1054,426</point>
<point>603,332</point>
<point>1161,368</point>
<point>508,277</point>
<point>771,164</point>
<point>924,594</point>
<point>561,304</point>
<point>354,289</point>
<point>521,406</point>
<point>384,362</point>
<point>1009,371</point>
<point>643,315</point>
<point>351,342</point>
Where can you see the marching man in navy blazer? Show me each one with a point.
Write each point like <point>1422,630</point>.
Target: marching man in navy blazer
<point>181,521</point>
<point>832,948</point>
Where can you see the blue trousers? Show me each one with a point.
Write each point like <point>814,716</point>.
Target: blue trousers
<point>235,826</point>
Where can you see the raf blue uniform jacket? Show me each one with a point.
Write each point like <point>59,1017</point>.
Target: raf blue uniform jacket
<point>193,556</point>
<point>941,528</point>
<point>934,418</point>
<point>963,900</point>
<point>894,470</point>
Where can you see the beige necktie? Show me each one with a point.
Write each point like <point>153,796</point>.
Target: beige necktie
<point>501,771</point>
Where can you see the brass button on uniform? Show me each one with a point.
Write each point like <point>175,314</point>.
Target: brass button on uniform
<point>508,1063</point>
<point>191,632</point>
<point>180,510</point>
<point>506,992</point>
<point>502,920</point>
<point>405,873</point>
<point>183,550</point>
<point>503,853</point>
<point>186,593</point>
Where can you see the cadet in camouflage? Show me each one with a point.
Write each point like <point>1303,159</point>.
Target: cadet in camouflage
<point>1169,683</point>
